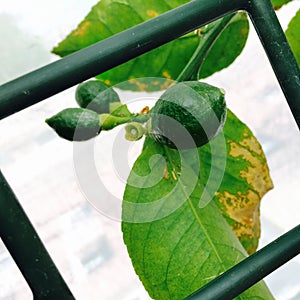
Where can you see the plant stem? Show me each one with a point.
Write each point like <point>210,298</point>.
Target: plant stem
<point>211,33</point>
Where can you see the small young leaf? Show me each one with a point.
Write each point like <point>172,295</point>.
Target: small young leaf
<point>108,121</point>
<point>119,110</point>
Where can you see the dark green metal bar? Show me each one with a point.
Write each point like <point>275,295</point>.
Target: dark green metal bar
<point>251,270</point>
<point>16,230</point>
<point>75,68</point>
<point>278,50</point>
<point>100,57</point>
<point>27,250</point>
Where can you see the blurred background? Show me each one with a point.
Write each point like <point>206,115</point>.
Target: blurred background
<point>87,246</point>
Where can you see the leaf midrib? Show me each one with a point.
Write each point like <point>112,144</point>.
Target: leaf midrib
<point>194,212</point>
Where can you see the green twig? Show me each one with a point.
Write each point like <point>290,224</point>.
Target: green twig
<point>210,35</point>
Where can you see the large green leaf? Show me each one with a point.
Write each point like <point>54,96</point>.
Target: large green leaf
<point>177,239</point>
<point>109,17</point>
<point>293,35</point>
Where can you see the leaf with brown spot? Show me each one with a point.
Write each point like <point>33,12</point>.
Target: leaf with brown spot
<point>246,180</point>
<point>109,17</point>
<point>176,244</point>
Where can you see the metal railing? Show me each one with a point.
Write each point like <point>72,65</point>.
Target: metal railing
<point>16,231</point>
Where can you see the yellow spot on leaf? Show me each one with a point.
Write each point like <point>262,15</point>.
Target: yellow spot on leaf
<point>82,29</point>
<point>199,32</point>
<point>155,83</point>
<point>108,82</point>
<point>174,175</point>
<point>166,173</point>
<point>142,87</point>
<point>245,212</point>
<point>253,145</point>
<point>152,13</point>
<point>166,74</point>
<point>244,208</point>
<point>257,173</point>
<point>246,133</point>
<point>167,84</point>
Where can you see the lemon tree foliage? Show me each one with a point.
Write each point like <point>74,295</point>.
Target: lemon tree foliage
<point>109,17</point>
<point>189,242</point>
<point>293,35</point>
<point>188,215</point>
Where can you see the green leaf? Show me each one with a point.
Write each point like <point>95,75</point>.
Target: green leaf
<point>279,3</point>
<point>109,17</point>
<point>178,240</point>
<point>293,35</point>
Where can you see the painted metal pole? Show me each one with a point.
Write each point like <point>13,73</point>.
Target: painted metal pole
<point>278,51</point>
<point>251,270</point>
<point>102,56</point>
<point>27,250</point>
<point>16,230</point>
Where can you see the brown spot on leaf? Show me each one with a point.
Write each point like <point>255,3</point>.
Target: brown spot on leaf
<point>244,31</point>
<point>145,110</point>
